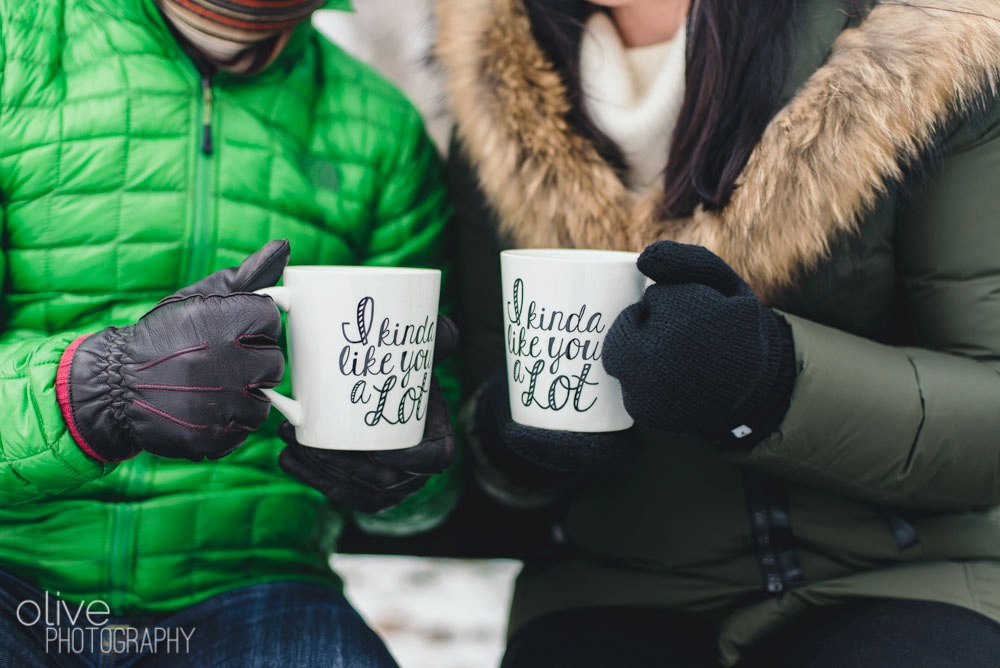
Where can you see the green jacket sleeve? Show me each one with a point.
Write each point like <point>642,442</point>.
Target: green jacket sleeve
<point>917,425</point>
<point>412,222</point>
<point>38,457</point>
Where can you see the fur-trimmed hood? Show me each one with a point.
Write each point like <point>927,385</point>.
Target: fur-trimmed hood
<point>824,161</point>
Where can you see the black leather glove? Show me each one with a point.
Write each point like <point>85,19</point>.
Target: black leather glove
<point>374,481</point>
<point>517,449</point>
<point>700,353</point>
<point>181,381</point>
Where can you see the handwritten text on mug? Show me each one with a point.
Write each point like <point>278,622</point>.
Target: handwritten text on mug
<point>395,362</point>
<point>542,340</point>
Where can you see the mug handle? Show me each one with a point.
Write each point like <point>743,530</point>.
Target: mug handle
<point>290,408</point>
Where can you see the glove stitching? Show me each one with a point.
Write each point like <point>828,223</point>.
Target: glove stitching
<point>138,403</point>
<point>178,388</point>
<point>405,481</point>
<point>248,389</point>
<point>271,345</point>
<point>233,426</point>
<point>169,356</point>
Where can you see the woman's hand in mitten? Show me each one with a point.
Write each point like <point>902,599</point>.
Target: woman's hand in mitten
<point>700,353</point>
<point>182,381</point>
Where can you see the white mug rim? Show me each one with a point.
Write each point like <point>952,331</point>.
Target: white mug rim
<point>361,270</point>
<point>571,255</point>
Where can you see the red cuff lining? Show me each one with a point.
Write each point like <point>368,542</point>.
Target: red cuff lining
<point>62,394</point>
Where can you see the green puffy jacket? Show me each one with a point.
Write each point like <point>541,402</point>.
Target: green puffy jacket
<point>112,200</point>
<point>869,212</point>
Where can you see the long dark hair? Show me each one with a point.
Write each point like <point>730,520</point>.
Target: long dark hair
<point>738,58</point>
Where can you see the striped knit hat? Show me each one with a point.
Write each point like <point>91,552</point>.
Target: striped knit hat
<point>238,35</point>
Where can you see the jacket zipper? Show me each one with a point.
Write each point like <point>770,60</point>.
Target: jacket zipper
<point>119,563</point>
<point>201,229</point>
<point>766,557</point>
<point>140,468</point>
<point>207,98</point>
<point>118,551</point>
<point>770,531</point>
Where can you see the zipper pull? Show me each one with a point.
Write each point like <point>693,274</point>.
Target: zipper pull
<point>206,119</point>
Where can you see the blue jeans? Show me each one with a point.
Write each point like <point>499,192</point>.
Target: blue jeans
<point>273,624</point>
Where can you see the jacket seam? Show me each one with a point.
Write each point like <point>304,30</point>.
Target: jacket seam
<point>914,444</point>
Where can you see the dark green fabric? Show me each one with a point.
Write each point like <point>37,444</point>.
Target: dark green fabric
<point>109,205</point>
<point>893,422</point>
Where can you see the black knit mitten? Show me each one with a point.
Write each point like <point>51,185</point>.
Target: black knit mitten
<point>700,353</point>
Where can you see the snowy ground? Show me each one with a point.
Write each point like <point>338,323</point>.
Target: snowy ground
<point>433,613</point>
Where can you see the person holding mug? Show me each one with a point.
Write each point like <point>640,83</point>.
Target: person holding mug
<point>812,370</point>
<point>162,160</point>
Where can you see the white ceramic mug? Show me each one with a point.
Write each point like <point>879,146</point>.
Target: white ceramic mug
<point>360,347</point>
<point>558,306</point>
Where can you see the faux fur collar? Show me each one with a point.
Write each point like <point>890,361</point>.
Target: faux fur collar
<point>823,162</point>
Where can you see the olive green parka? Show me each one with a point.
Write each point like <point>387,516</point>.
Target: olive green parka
<point>868,214</point>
